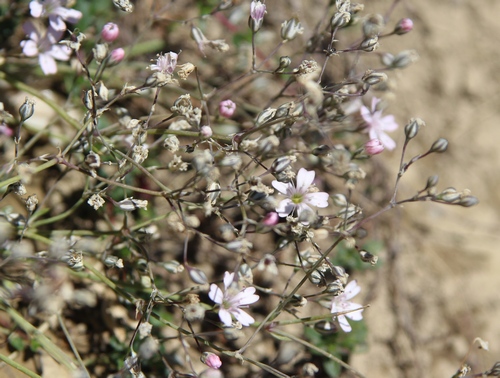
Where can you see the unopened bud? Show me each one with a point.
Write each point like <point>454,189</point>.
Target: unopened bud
<point>27,109</point>
<point>264,116</point>
<point>110,32</point>
<point>404,26</point>
<point>88,100</point>
<point>239,246</point>
<point>373,78</point>
<point>449,195</point>
<point>257,11</point>
<point>368,257</point>
<point>116,56</point>
<point>280,164</point>
<point>290,29</point>
<point>100,52</point>
<point>412,128</point>
<point>173,267</point>
<point>197,276</point>
<point>124,5</point>
<point>432,182</point>
<point>340,273</point>
<point>369,44</point>
<point>404,59</point>
<point>18,188</point>
<point>340,19</point>
<point>336,288</point>
<point>439,146</point>
<point>285,62</point>
<point>206,131</point>
<point>468,201</point>
<point>113,261</point>
<point>131,204</point>
<point>317,278</point>
<point>325,327</point>
<point>374,147</point>
<point>93,160</point>
<point>321,150</point>
<point>373,25</point>
<point>339,200</point>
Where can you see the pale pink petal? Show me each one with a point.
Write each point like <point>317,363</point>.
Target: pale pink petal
<point>215,294</point>
<point>243,317</point>
<point>47,64</point>
<point>375,101</point>
<point>351,290</point>
<point>70,15</point>
<point>29,48</point>
<point>248,296</point>
<point>366,114</point>
<point>228,279</point>
<point>225,317</point>
<point>57,23</point>
<point>344,324</point>
<point>387,141</point>
<point>388,123</point>
<point>304,179</point>
<point>318,199</point>
<point>285,208</point>
<point>355,315</point>
<point>36,9</point>
<point>280,186</point>
<point>60,52</point>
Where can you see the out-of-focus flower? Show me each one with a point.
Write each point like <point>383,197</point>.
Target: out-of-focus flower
<point>116,55</point>
<point>270,219</point>
<point>56,12</point>
<point>5,130</point>
<point>211,360</point>
<point>165,63</point>
<point>404,26</point>
<point>300,196</point>
<point>206,131</point>
<point>232,300</point>
<point>378,125</point>
<point>227,108</point>
<point>45,46</point>
<point>374,147</point>
<point>110,32</point>
<point>257,11</point>
<point>341,303</point>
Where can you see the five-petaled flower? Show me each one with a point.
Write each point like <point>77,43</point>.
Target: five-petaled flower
<point>300,196</point>
<point>232,300</point>
<point>45,46</point>
<point>378,125</point>
<point>56,12</point>
<point>341,303</point>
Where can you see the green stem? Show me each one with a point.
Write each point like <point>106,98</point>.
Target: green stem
<point>18,366</point>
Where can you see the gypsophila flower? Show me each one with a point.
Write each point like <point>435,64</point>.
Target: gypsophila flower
<point>165,63</point>
<point>44,44</point>
<point>56,12</point>
<point>96,201</point>
<point>140,153</point>
<point>299,196</point>
<point>110,32</point>
<point>227,108</point>
<point>257,11</point>
<point>374,147</point>
<point>131,204</point>
<point>211,360</point>
<point>341,303</point>
<point>377,125</point>
<point>232,300</point>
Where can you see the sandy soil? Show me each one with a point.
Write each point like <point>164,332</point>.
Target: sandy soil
<point>438,289</point>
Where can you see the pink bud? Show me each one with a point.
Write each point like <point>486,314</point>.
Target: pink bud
<point>271,219</point>
<point>374,147</point>
<point>404,26</point>
<point>211,360</point>
<point>117,55</point>
<point>206,131</point>
<point>110,32</point>
<point>227,108</point>
<point>257,11</point>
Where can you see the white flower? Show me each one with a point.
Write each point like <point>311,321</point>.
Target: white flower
<point>341,303</point>
<point>299,196</point>
<point>377,125</point>
<point>165,63</point>
<point>232,300</point>
<point>56,13</point>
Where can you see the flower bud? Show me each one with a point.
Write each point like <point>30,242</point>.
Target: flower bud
<point>317,278</point>
<point>368,257</point>
<point>321,150</point>
<point>325,327</point>
<point>336,288</point>
<point>264,116</point>
<point>116,56</point>
<point>197,276</point>
<point>404,26</point>
<point>404,59</point>
<point>432,182</point>
<point>340,19</point>
<point>374,147</point>
<point>468,201</point>
<point>339,200</point>
<point>439,146</point>
<point>211,360</point>
<point>100,52</point>
<point>206,131</point>
<point>257,11</point>
<point>110,32</point>
<point>280,164</point>
<point>270,219</point>
<point>131,204</point>
<point>285,62</point>
<point>194,312</point>
<point>373,25</point>
<point>290,29</point>
<point>124,5</point>
<point>27,109</point>
<point>173,267</point>
<point>412,128</point>
<point>113,261</point>
<point>369,44</point>
<point>373,78</point>
<point>93,160</point>
<point>227,108</point>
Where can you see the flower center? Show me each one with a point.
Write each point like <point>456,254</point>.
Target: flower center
<point>297,198</point>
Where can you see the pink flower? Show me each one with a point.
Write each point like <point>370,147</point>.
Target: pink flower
<point>227,108</point>
<point>232,300</point>
<point>117,55</point>
<point>5,130</point>
<point>110,32</point>
<point>165,63</point>
<point>257,11</point>
<point>404,26</point>
<point>45,46</point>
<point>211,360</point>
<point>374,147</point>
<point>206,131</point>
<point>56,12</point>
<point>302,195</point>
<point>341,303</point>
<point>377,125</point>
